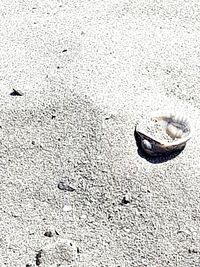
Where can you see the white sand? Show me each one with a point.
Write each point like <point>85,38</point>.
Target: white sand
<point>123,60</point>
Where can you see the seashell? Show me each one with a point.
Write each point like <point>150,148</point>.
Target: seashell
<point>176,127</point>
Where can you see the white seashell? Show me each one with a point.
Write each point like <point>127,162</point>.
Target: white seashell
<point>175,126</point>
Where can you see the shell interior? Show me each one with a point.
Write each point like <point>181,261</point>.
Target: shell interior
<point>175,126</point>
<point>177,132</point>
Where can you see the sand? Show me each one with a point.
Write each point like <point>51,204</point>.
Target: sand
<point>89,71</point>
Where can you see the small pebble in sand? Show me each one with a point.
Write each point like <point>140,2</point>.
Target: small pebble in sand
<point>62,185</point>
<point>192,250</point>
<point>48,234</point>
<point>38,258</point>
<point>16,93</point>
<point>126,199</point>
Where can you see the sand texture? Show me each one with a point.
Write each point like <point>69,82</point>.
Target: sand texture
<point>74,190</point>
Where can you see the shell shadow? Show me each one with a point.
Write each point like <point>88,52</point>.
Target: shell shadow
<point>154,159</point>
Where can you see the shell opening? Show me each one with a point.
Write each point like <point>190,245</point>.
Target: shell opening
<point>175,126</point>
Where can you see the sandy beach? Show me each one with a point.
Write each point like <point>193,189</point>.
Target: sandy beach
<point>74,191</point>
